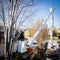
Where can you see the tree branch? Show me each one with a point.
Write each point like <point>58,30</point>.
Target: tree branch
<point>3,17</point>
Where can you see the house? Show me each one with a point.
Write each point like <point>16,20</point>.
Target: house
<point>58,33</point>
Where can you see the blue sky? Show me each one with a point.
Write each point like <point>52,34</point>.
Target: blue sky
<point>44,12</point>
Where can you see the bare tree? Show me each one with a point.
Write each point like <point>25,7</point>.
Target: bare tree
<point>3,18</point>
<point>16,12</point>
<point>43,36</point>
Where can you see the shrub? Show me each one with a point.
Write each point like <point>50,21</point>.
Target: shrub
<point>19,56</point>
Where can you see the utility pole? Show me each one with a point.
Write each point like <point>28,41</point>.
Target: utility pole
<point>51,24</point>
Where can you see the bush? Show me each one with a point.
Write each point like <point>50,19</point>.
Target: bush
<point>55,38</point>
<point>55,32</point>
<point>19,56</point>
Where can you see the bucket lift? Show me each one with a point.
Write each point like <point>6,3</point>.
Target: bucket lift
<point>23,44</point>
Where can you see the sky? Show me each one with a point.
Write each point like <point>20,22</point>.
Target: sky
<point>44,12</point>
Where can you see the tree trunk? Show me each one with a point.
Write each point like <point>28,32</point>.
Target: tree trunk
<point>5,41</point>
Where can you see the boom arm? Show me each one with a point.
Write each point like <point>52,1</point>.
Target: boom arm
<point>39,30</point>
<point>36,34</point>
